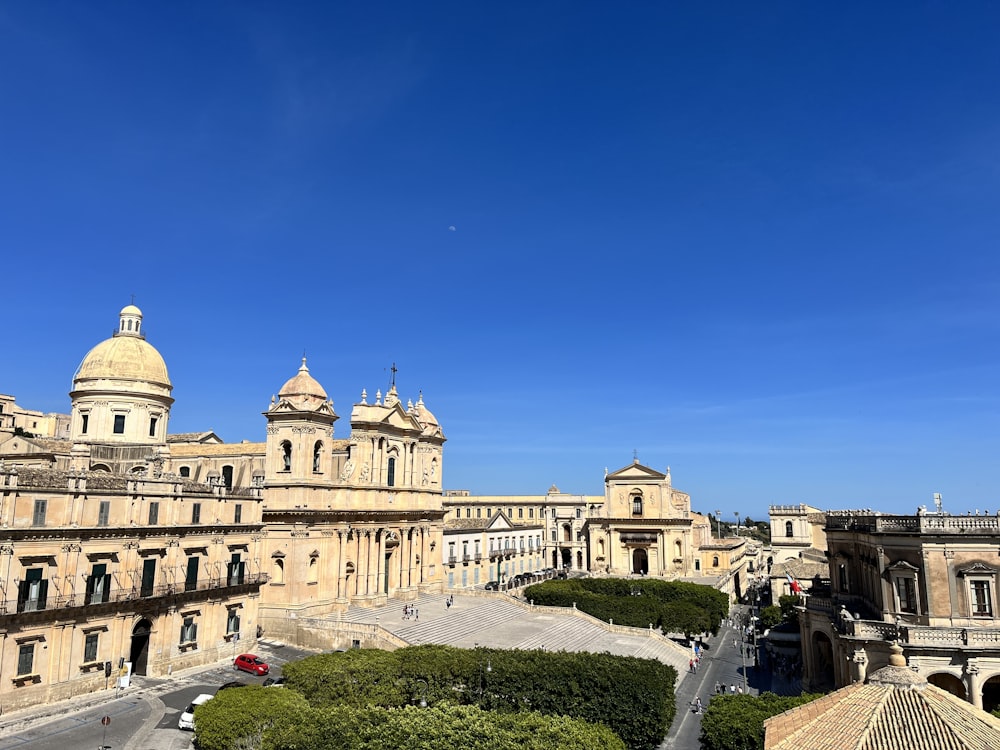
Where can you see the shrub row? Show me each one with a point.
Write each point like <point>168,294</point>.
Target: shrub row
<point>282,720</point>
<point>674,606</point>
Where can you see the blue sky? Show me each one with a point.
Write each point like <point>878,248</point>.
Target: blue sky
<point>757,243</point>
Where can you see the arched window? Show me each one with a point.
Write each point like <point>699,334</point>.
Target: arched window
<point>678,550</point>
<point>788,529</point>
<point>317,452</point>
<point>390,478</point>
<point>636,505</point>
<point>567,533</point>
<point>313,569</point>
<point>715,561</point>
<point>697,565</point>
<point>185,472</point>
<point>286,456</point>
<point>227,476</point>
<point>278,570</point>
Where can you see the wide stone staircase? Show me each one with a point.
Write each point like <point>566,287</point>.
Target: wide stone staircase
<point>500,621</point>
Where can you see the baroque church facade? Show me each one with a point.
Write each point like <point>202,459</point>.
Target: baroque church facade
<point>127,549</point>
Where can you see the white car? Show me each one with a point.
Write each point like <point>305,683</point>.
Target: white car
<point>187,718</point>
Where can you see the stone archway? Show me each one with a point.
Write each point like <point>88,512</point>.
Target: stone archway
<point>139,652</point>
<point>949,683</point>
<point>640,561</point>
<point>822,678</point>
<point>991,694</point>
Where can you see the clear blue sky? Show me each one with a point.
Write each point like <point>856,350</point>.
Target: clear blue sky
<point>754,242</point>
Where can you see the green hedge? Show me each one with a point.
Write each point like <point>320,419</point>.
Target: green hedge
<point>437,728</point>
<point>736,722</point>
<point>634,697</point>
<point>674,606</point>
<point>240,717</point>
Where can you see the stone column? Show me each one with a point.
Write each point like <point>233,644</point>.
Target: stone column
<point>423,554</point>
<point>973,686</point>
<point>338,562</point>
<point>371,577</point>
<point>359,567</point>
<point>860,661</point>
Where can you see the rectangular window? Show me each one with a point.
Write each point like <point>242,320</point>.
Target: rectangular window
<point>38,515</point>
<point>553,535</point>
<point>531,512</point>
<point>196,513</point>
<point>235,572</point>
<point>154,513</point>
<point>32,591</point>
<point>520,512</point>
<point>103,512</point>
<point>189,630</point>
<point>479,512</point>
<point>982,601</point>
<point>907,591</point>
<point>468,512</point>
<point>85,421</point>
<point>90,648</point>
<point>119,424</point>
<point>152,426</point>
<point>233,621</point>
<point>148,577</point>
<point>191,579</point>
<point>99,584</point>
<point>25,658</point>
<point>238,514</point>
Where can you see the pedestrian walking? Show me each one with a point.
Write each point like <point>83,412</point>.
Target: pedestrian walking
<point>732,689</point>
<point>697,705</point>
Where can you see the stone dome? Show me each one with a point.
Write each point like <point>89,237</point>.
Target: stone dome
<point>303,388</point>
<point>125,356</point>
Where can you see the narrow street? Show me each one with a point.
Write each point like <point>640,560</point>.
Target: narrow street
<point>721,663</point>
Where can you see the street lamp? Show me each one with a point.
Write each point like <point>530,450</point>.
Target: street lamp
<point>423,693</point>
<point>718,522</point>
<point>736,529</point>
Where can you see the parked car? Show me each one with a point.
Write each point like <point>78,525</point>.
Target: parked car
<point>232,684</point>
<point>492,586</point>
<point>187,716</point>
<point>274,682</point>
<point>252,664</point>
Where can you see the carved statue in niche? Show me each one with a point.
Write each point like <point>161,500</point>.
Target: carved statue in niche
<point>423,479</point>
<point>348,471</point>
<point>433,469</point>
<point>365,471</point>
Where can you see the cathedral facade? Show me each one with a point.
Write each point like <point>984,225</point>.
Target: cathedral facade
<point>128,550</point>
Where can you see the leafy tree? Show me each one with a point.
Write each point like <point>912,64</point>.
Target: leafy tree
<point>770,616</point>
<point>736,722</point>
<point>788,604</point>
<point>632,696</point>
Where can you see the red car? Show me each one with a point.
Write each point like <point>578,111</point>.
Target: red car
<point>252,664</point>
